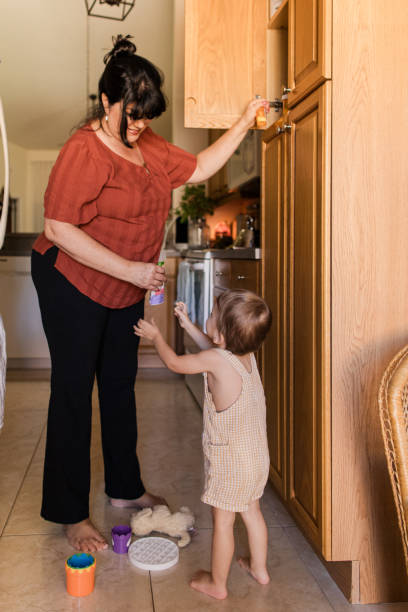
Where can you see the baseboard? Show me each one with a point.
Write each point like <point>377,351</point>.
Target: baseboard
<point>149,360</point>
<point>145,360</point>
<point>28,363</point>
<point>346,574</point>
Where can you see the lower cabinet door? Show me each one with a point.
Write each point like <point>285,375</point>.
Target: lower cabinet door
<point>274,291</point>
<point>163,315</point>
<point>309,406</point>
<point>26,343</point>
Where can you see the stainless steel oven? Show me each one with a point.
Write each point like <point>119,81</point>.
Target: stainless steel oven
<point>195,288</point>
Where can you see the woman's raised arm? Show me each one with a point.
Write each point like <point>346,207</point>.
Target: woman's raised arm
<point>210,160</point>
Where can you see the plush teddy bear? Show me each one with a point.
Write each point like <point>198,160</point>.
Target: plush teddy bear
<point>159,518</point>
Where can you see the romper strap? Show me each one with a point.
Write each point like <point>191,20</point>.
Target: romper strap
<point>236,363</point>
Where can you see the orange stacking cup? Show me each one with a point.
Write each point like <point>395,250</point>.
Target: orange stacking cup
<point>80,572</point>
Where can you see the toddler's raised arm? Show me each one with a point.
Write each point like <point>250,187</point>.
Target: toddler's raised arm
<point>200,338</point>
<point>182,364</point>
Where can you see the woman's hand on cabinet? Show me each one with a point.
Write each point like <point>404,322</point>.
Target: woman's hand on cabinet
<point>249,115</point>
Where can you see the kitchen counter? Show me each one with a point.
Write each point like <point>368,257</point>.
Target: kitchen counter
<point>26,343</point>
<point>231,253</point>
<point>18,244</point>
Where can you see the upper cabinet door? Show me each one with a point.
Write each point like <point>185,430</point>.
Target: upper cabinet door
<point>225,59</point>
<point>309,46</point>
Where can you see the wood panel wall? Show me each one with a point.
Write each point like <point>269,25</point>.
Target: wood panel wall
<point>370,278</point>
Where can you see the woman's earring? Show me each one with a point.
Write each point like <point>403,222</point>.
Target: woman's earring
<point>106,117</point>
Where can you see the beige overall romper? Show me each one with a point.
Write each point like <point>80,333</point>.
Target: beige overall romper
<point>236,457</point>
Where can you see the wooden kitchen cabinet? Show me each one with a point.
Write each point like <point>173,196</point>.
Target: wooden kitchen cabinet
<point>341,317</point>
<point>309,55</point>
<point>274,283</point>
<point>236,274</point>
<point>225,59</point>
<point>164,317</point>
<point>296,286</point>
<point>334,260</point>
<point>309,318</point>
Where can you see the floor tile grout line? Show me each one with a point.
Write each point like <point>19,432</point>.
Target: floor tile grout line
<point>307,569</point>
<point>23,479</point>
<point>151,590</point>
<point>28,535</point>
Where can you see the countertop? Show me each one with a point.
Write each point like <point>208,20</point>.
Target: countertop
<point>18,244</point>
<point>230,253</point>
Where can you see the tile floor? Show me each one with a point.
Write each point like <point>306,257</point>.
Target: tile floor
<point>33,552</point>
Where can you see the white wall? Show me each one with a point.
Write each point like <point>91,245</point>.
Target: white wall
<point>42,70</point>
<point>190,139</point>
<point>158,30</point>
<point>51,51</point>
<point>39,165</point>
<point>29,172</point>
<point>151,24</point>
<point>51,55</point>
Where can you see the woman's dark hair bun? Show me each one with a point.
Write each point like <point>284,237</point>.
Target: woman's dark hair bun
<point>121,46</point>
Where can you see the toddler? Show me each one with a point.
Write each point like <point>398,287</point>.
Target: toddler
<point>236,458</point>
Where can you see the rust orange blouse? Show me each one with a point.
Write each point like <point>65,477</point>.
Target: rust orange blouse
<point>121,205</point>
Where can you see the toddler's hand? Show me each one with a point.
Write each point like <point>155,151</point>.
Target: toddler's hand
<point>181,313</point>
<point>144,329</point>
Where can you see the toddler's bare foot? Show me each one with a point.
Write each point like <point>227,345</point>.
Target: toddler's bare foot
<point>147,500</point>
<point>202,581</point>
<point>85,537</point>
<point>260,576</point>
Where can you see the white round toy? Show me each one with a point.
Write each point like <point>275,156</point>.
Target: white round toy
<point>153,553</point>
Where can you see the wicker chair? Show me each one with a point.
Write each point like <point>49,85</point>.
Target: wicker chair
<point>393,404</point>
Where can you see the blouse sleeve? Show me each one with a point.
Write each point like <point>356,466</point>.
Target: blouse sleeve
<point>180,165</point>
<point>75,182</point>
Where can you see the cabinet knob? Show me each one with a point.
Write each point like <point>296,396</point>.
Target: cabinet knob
<point>286,90</point>
<point>191,100</point>
<point>241,277</point>
<point>218,273</point>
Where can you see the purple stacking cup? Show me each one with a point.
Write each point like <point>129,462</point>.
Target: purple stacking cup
<point>121,536</point>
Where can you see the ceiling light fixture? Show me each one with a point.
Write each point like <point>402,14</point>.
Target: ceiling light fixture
<point>115,9</point>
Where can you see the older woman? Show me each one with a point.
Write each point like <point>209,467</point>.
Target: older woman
<point>106,204</point>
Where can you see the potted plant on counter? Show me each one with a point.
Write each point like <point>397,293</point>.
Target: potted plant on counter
<point>194,206</point>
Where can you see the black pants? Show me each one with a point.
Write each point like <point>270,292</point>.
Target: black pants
<point>86,339</point>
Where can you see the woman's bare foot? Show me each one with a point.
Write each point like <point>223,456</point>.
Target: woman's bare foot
<point>261,576</point>
<point>202,581</point>
<point>147,500</point>
<point>85,537</point>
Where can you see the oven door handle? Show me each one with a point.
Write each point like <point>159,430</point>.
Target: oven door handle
<point>196,266</point>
